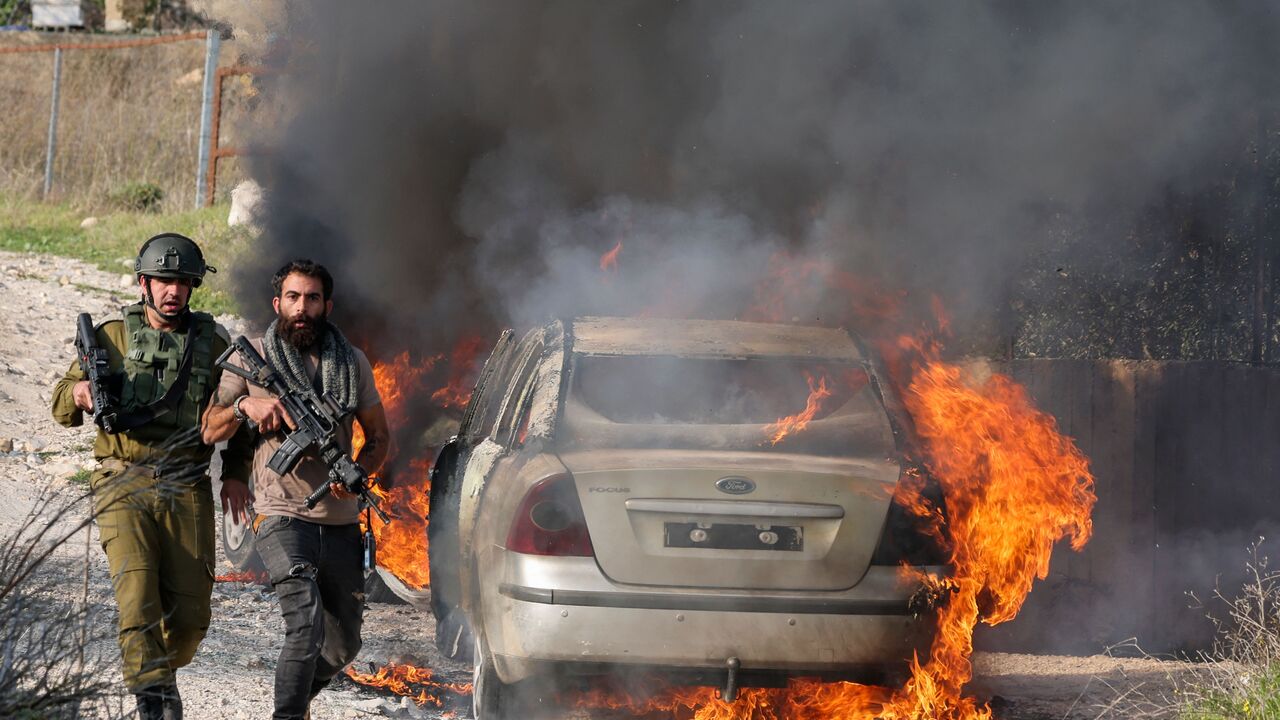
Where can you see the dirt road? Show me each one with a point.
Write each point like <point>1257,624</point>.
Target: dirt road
<point>231,676</point>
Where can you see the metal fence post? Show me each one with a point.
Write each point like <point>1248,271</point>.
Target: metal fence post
<point>212,46</point>
<point>51,148</point>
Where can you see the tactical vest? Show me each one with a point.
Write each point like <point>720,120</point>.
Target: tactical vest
<point>153,360</point>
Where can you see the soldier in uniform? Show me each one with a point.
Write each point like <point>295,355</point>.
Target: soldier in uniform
<point>152,489</point>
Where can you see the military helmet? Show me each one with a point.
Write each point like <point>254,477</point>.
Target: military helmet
<point>170,255</point>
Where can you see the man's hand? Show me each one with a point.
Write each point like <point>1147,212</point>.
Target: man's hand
<point>236,499</point>
<point>268,413</point>
<point>83,396</point>
<point>339,491</point>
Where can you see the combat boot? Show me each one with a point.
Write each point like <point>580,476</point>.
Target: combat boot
<point>172,703</point>
<point>150,704</point>
<point>159,702</point>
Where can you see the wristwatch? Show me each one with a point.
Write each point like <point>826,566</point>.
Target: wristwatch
<point>235,409</point>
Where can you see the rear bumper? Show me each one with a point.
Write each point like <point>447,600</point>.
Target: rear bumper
<point>587,623</point>
<point>726,603</point>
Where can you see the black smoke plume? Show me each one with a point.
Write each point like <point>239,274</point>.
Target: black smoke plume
<point>463,166</point>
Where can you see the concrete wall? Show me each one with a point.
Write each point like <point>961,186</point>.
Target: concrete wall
<point>1185,455</point>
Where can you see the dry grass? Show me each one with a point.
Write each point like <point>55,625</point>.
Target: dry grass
<point>125,116</point>
<point>51,633</point>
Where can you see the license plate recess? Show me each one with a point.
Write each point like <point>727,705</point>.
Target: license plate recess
<point>734,536</point>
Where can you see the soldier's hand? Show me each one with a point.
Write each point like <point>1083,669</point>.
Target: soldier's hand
<point>83,396</point>
<point>268,413</point>
<point>236,499</point>
<point>339,490</point>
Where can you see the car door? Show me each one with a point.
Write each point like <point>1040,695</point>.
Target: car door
<point>442,528</point>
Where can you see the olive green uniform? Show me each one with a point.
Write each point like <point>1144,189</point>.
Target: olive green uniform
<point>153,493</point>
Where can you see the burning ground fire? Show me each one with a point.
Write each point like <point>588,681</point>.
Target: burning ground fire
<point>245,576</point>
<point>416,683</point>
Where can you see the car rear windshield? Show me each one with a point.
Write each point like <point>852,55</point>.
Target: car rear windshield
<point>782,404</point>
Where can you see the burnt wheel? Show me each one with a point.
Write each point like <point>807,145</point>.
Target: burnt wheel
<point>442,562</point>
<point>375,590</point>
<point>238,545</point>
<point>491,699</point>
<point>453,636</point>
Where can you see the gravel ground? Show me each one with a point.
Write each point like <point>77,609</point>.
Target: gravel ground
<point>231,676</point>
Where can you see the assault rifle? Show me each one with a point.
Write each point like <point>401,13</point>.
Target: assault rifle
<point>93,361</point>
<point>317,418</point>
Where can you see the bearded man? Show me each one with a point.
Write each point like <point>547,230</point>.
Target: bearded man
<point>313,556</point>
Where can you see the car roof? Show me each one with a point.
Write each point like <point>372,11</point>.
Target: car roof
<point>611,336</point>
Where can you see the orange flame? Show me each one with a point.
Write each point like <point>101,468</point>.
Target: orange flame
<point>397,382</point>
<point>457,391</point>
<point>801,699</point>
<point>790,424</point>
<point>609,260</point>
<point>245,576</point>
<point>417,683</point>
<point>402,544</point>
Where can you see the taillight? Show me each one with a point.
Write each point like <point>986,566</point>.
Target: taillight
<point>550,521</point>
<point>910,538</point>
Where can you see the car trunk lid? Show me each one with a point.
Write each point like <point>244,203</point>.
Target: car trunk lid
<point>741,520</point>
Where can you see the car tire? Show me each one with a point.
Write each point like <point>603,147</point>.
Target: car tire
<point>454,638</point>
<point>238,544</point>
<point>491,699</point>
<point>375,590</point>
<point>442,538</point>
<point>494,700</point>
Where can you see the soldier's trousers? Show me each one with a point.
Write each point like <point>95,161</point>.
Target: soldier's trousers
<point>158,536</point>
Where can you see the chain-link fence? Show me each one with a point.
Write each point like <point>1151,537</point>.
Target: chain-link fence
<point>93,121</point>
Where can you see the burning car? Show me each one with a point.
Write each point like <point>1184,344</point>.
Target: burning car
<point>706,500</point>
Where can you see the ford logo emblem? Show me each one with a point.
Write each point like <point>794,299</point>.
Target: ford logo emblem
<point>735,485</point>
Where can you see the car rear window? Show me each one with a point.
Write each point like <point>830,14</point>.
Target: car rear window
<point>786,404</point>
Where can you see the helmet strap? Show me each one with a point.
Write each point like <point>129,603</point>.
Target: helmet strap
<point>151,303</point>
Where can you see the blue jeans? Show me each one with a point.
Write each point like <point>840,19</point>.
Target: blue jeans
<point>318,575</point>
